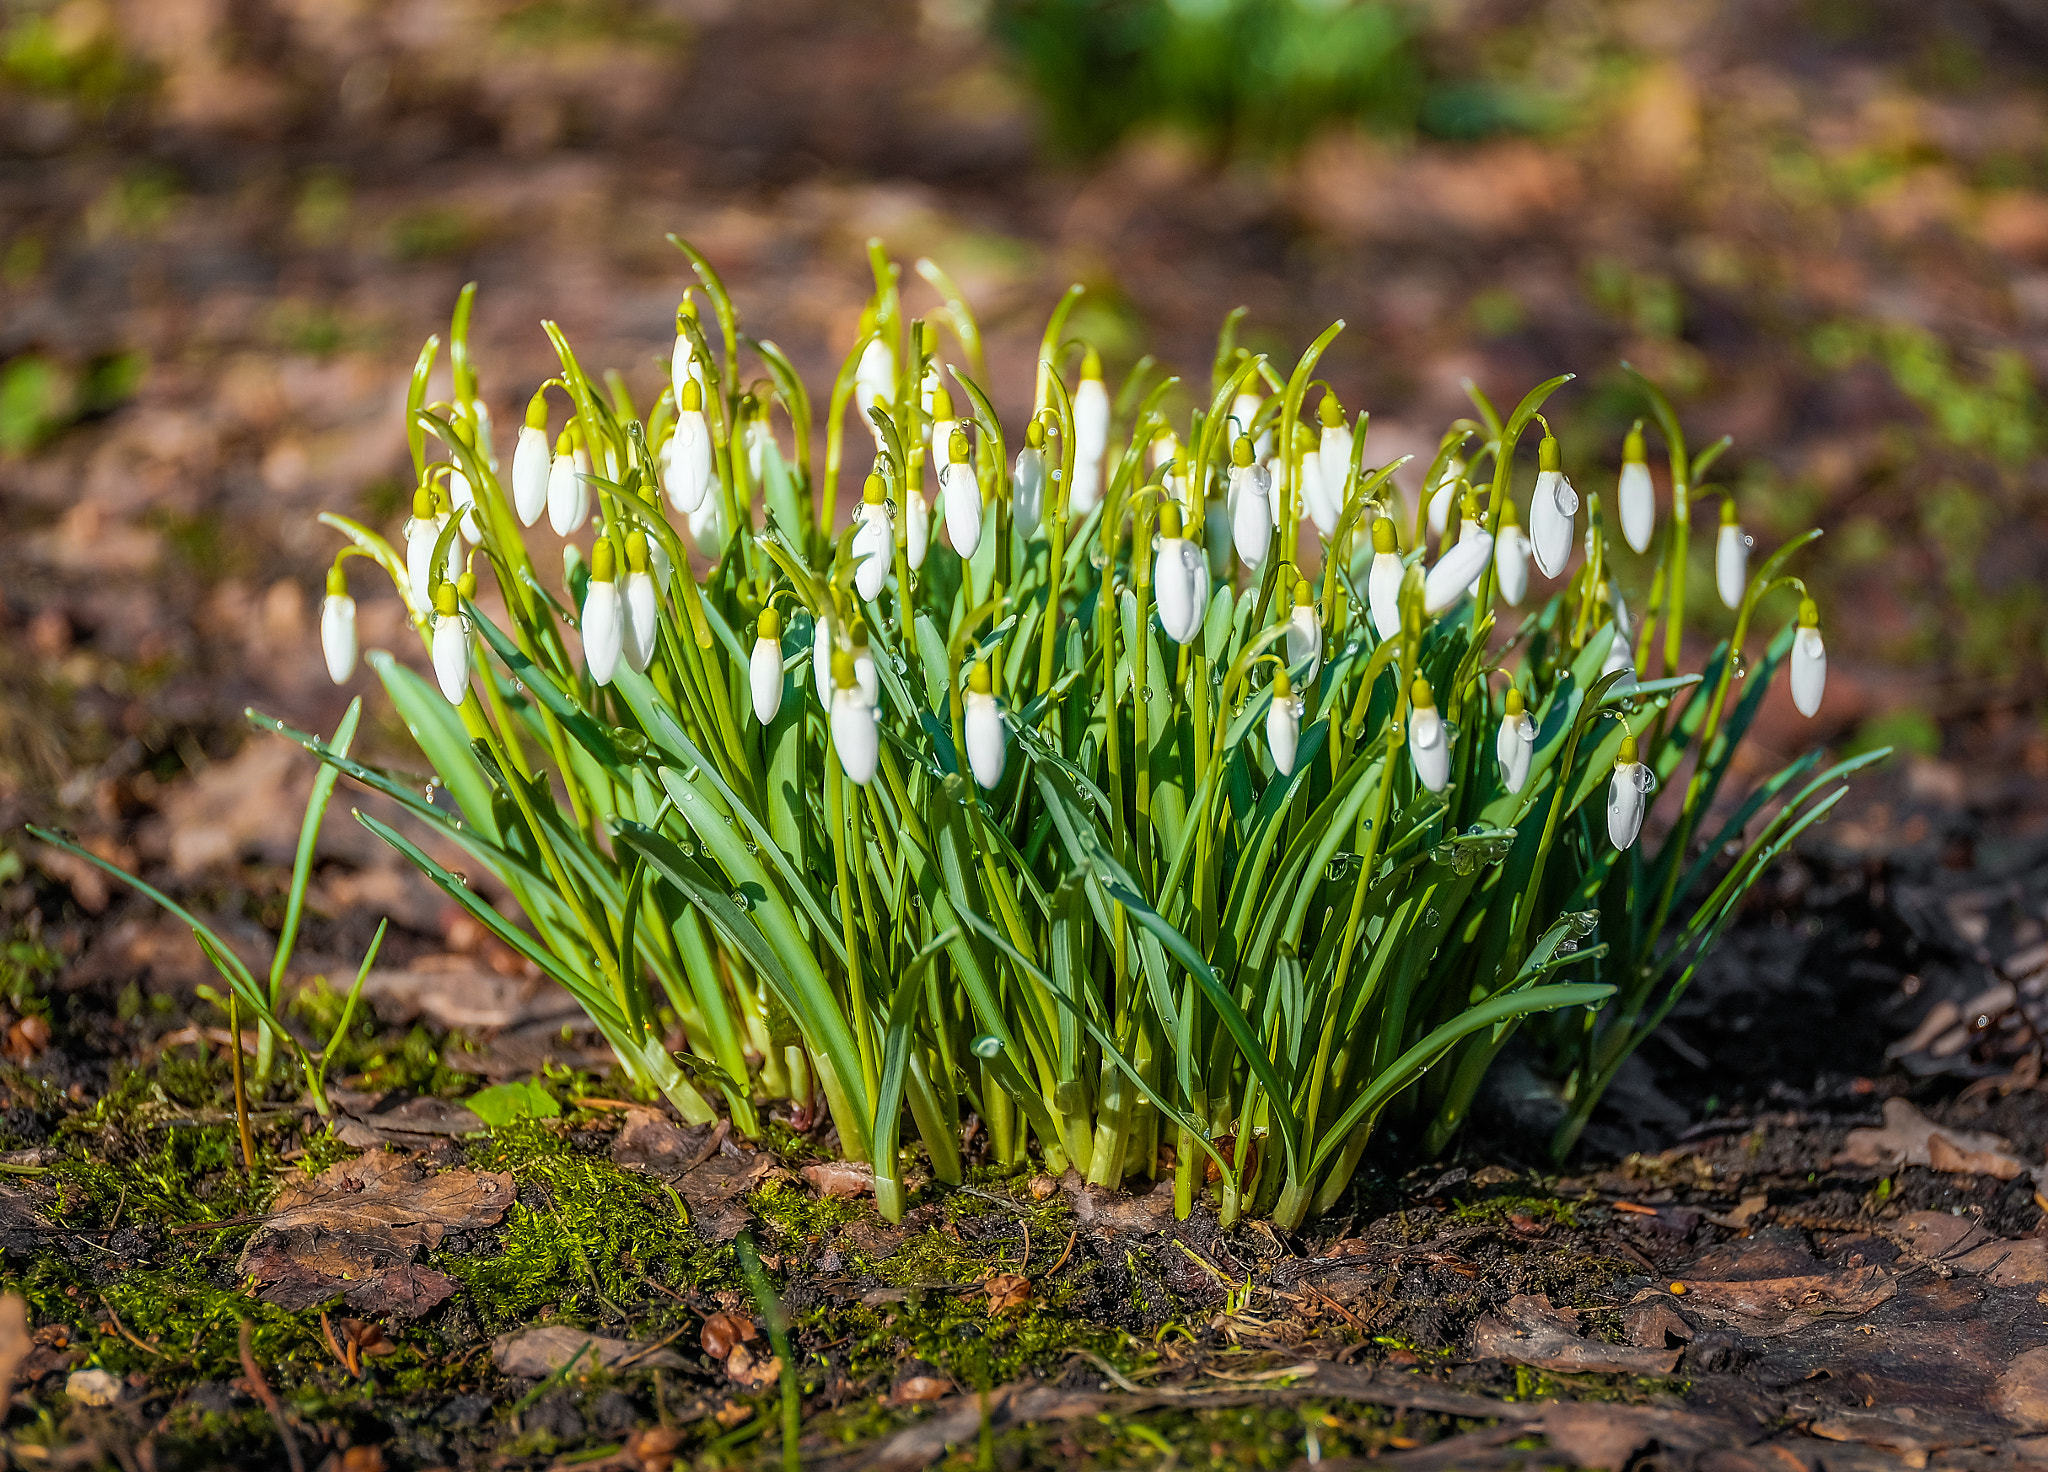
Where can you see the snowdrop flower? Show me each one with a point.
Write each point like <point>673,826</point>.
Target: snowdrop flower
<point>1551,511</point>
<point>1322,489</point>
<point>422,534</point>
<point>1304,633</point>
<point>1443,493</point>
<point>874,538</point>
<point>961,489</point>
<point>917,525</point>
<point>1511,557</point>
<point>604,631</point>
<point>687,475</point>
<point>1165,460</point>
<point>568,494</point>
<point>1516,741</point>
<point>864,677</point>
<point>1091,436</point>
<point>338,627</point>
<point>757,436</point>
<point>1809,660</point>
<point>1429,740</point>
<point>940,430</point>
<point>1180,579</point>
<point>530,462</point>
<point>1027,482</point>
<point>1244,409</point>
<point>821,658</point>
<point>451,644</point>
<point>1250,500</point>
<point>462,498</point>
<point>874,380</point>
<point>1636,495</point>
<point>854,735</point>
<point>1456,570</point>
<point>1383,583</point>
<point>1472,523</point>
<point>764,666</point>
<point>683,366</point>
<point>982,724</point>
<point>1283,724</point>
<point>641,628</point>
<point>1632,783</point>
<point>1731,556</point>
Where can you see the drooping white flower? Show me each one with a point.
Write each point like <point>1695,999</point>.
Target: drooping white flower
<point>917,525</point>
<point>874,539</point>
<point>1515,743</point>
<point>1626,794</point>
<point>864,676</point>
<point>1180,579</point>
<point>450,644</point>
<point>1165,460</point>
<point>1304,634</point>
<point>1251,509</point>
<point>1444,494</point>
<point>982,722</point>
<point>874,380</point>
<point>604,632</point>
<point>642,629</point>
<point>338,627</point>
<point>764,667</point>
<point>1637,494</point>
<point>1621,658</point>
<point>1318,500</point>
<point>1809,661</point>
<point>1283,724</point>
<point>1731,557</point>
<point>941,424</point>
<point>1511,557</point>
<point>568,494</point>
<point>688,474</point>
<point>530,462</point>
<point>462,503</point>
<point>422,534</point>
<point>1383,583</point>
<point>1091,437</point>
<point>705,527</point>
<point>683,367</point>
<point>1027,482</point>
<point>961,489</point>
<point>1244,411</point>
<point>1551,510</point>
<point>854,734</point>
<point>1471,524</point>
<point>1456,569</point>
<point>822,650</point>
<point>1429,740</point>
<point>1333,466</point>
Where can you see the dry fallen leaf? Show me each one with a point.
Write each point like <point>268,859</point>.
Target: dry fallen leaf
<point>921,1388</point>
<point>1007,1292</point>
<point>845,1179</point>
<point>1911,1138</point>
<point>533,1353</point>
<point>1530,1331</point>
<point>743,1369</point>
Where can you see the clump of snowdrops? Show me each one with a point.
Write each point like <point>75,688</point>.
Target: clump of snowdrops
<point>1155,789</point>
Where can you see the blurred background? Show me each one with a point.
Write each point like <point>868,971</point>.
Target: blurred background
<point>226,225</point>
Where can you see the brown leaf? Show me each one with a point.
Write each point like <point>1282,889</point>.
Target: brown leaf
<point>743,1369</point>
<point>1771,1306</point>
<point>1530,1331</point>
<point>722,1331</point>
<point>534,1353</point>
<point>845,1179</point>
<point>921,1388</point>
<point>1007,1292</point>
<point>1911,1138</point>
<point>2021,1395</point>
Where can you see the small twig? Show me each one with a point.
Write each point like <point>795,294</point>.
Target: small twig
<point>1027,1247</point>
<point>223,1224</point>
<point>1071,1240</point>
<point>719,1133</point>
<point>264,1393</point>
<point>992,1196</point>
<point>327,1329</point>
<point>241,1099</point>
<point>657,1287</point>
<point>641,1354</point>
<point>122,1329</point>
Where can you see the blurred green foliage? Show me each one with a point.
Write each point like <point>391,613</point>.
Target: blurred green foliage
<point>39,396</point>
<point>67,52</point>
<point>1254,75</point>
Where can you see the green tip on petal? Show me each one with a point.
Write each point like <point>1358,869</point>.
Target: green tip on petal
<point>1034,435</point>
<point>1627,756</point>
<point>942,403</point>
<point>537,410</point>
<point>957,450</point>
<point>636,550</point>
<point>422,504</point>
<point>842,669</point>
<point>604,562</point>
<point>1091,365</point>
<point>564,442</point>
<point>1632,448</point>
<point>770,624</point>
<point>1507,513</point>
<point>1282,686</point>
<point>1728,516</point>
<point>1514,702</point>
<point>1548,455</point>
<point>465,586</point>
<point>1304,595</point>
<point>692,400</point>
<point>978,679</point>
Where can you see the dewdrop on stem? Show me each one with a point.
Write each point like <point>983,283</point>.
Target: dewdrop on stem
<point>854,736</point>
<point>1809,661</point>
<point>961,490</point>
<point>530,462</point>
<point>1626,795</point>
<point>1383,583</point>
<point>1636,494</point>
<point>641,628</point>
<point>1251,509</point>
<point>1027,482</point>
<point>764,666</point>
<point>874,538</point>
<point>450,644</point>
<point>1515,743</point>
<point>1091,436</point>
<point>982,727</point>
<point>1731,556</point>
<point>1304,633</point>
<point>338,627</point>
<point>1551,510</point>
<point>1180,578</point>
<point>1429,740</point>
<point>603,623</point>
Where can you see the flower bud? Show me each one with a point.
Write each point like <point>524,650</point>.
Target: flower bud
<point>960,488</point>
<point>338,627</point>
<point>1180,579</point>
<point>1091,436</point>
<point>1455,570</point>
<point>982,723</point>
<point>685,371</point>
<point>1383,583</point>
<point>1429,741</point>
<point>874,380</point>
<point>1244,412</point>
<point>1809,661</point>
<point>686,456</point>
<point>1443,494</point>
<point>1515,743</point>
<point>854,735</point>
<point>821,659</point>
<point>422,533</point>
<point>1511,557</point>
<point>1027,482</point>
<point>1731,557</point>
<point>1551,510</point>
<point>1626,796</point>
<point>864,675</point>
<point>603,621</point>
<point>1334,460</point>
<point>1636,495</point>
<point>1283,724</point>
<point>874,539</point>
<point>568,495</point>
<point>530,462</point>
<point>917,526</point>
<point>642,628</point>
<point>1304,633</point>
<point>1251,509</point>
<point>764,667</point>
<point>450,645</point>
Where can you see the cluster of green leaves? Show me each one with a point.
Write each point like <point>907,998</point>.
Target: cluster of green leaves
<point>1146,935</point>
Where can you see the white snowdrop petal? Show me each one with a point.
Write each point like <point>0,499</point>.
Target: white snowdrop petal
<point>764,678</point>
<point>338,636</point>
<point>917,529</point>
<point>1511,565</point>
<point>603,633</point>
<point>1638,498</point>
<point>1731,564</point>
<point>640,627</point>
<point>1383,593</point>
<point>854,736</point>
<point>1454,572</point>
<point>1809,671</point>
<point>530,474</point>
<point>1550,521</point>
<point>982,727</point>
<point>874,541</point>
<point>962,492</point>
<point>1283,732</point>
<point>1625,805</point>
<point>568,496</point>
<point>1428,748</point>
<point>451,656</point>
<point>1304,644</point>
<point>1027,491</point>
